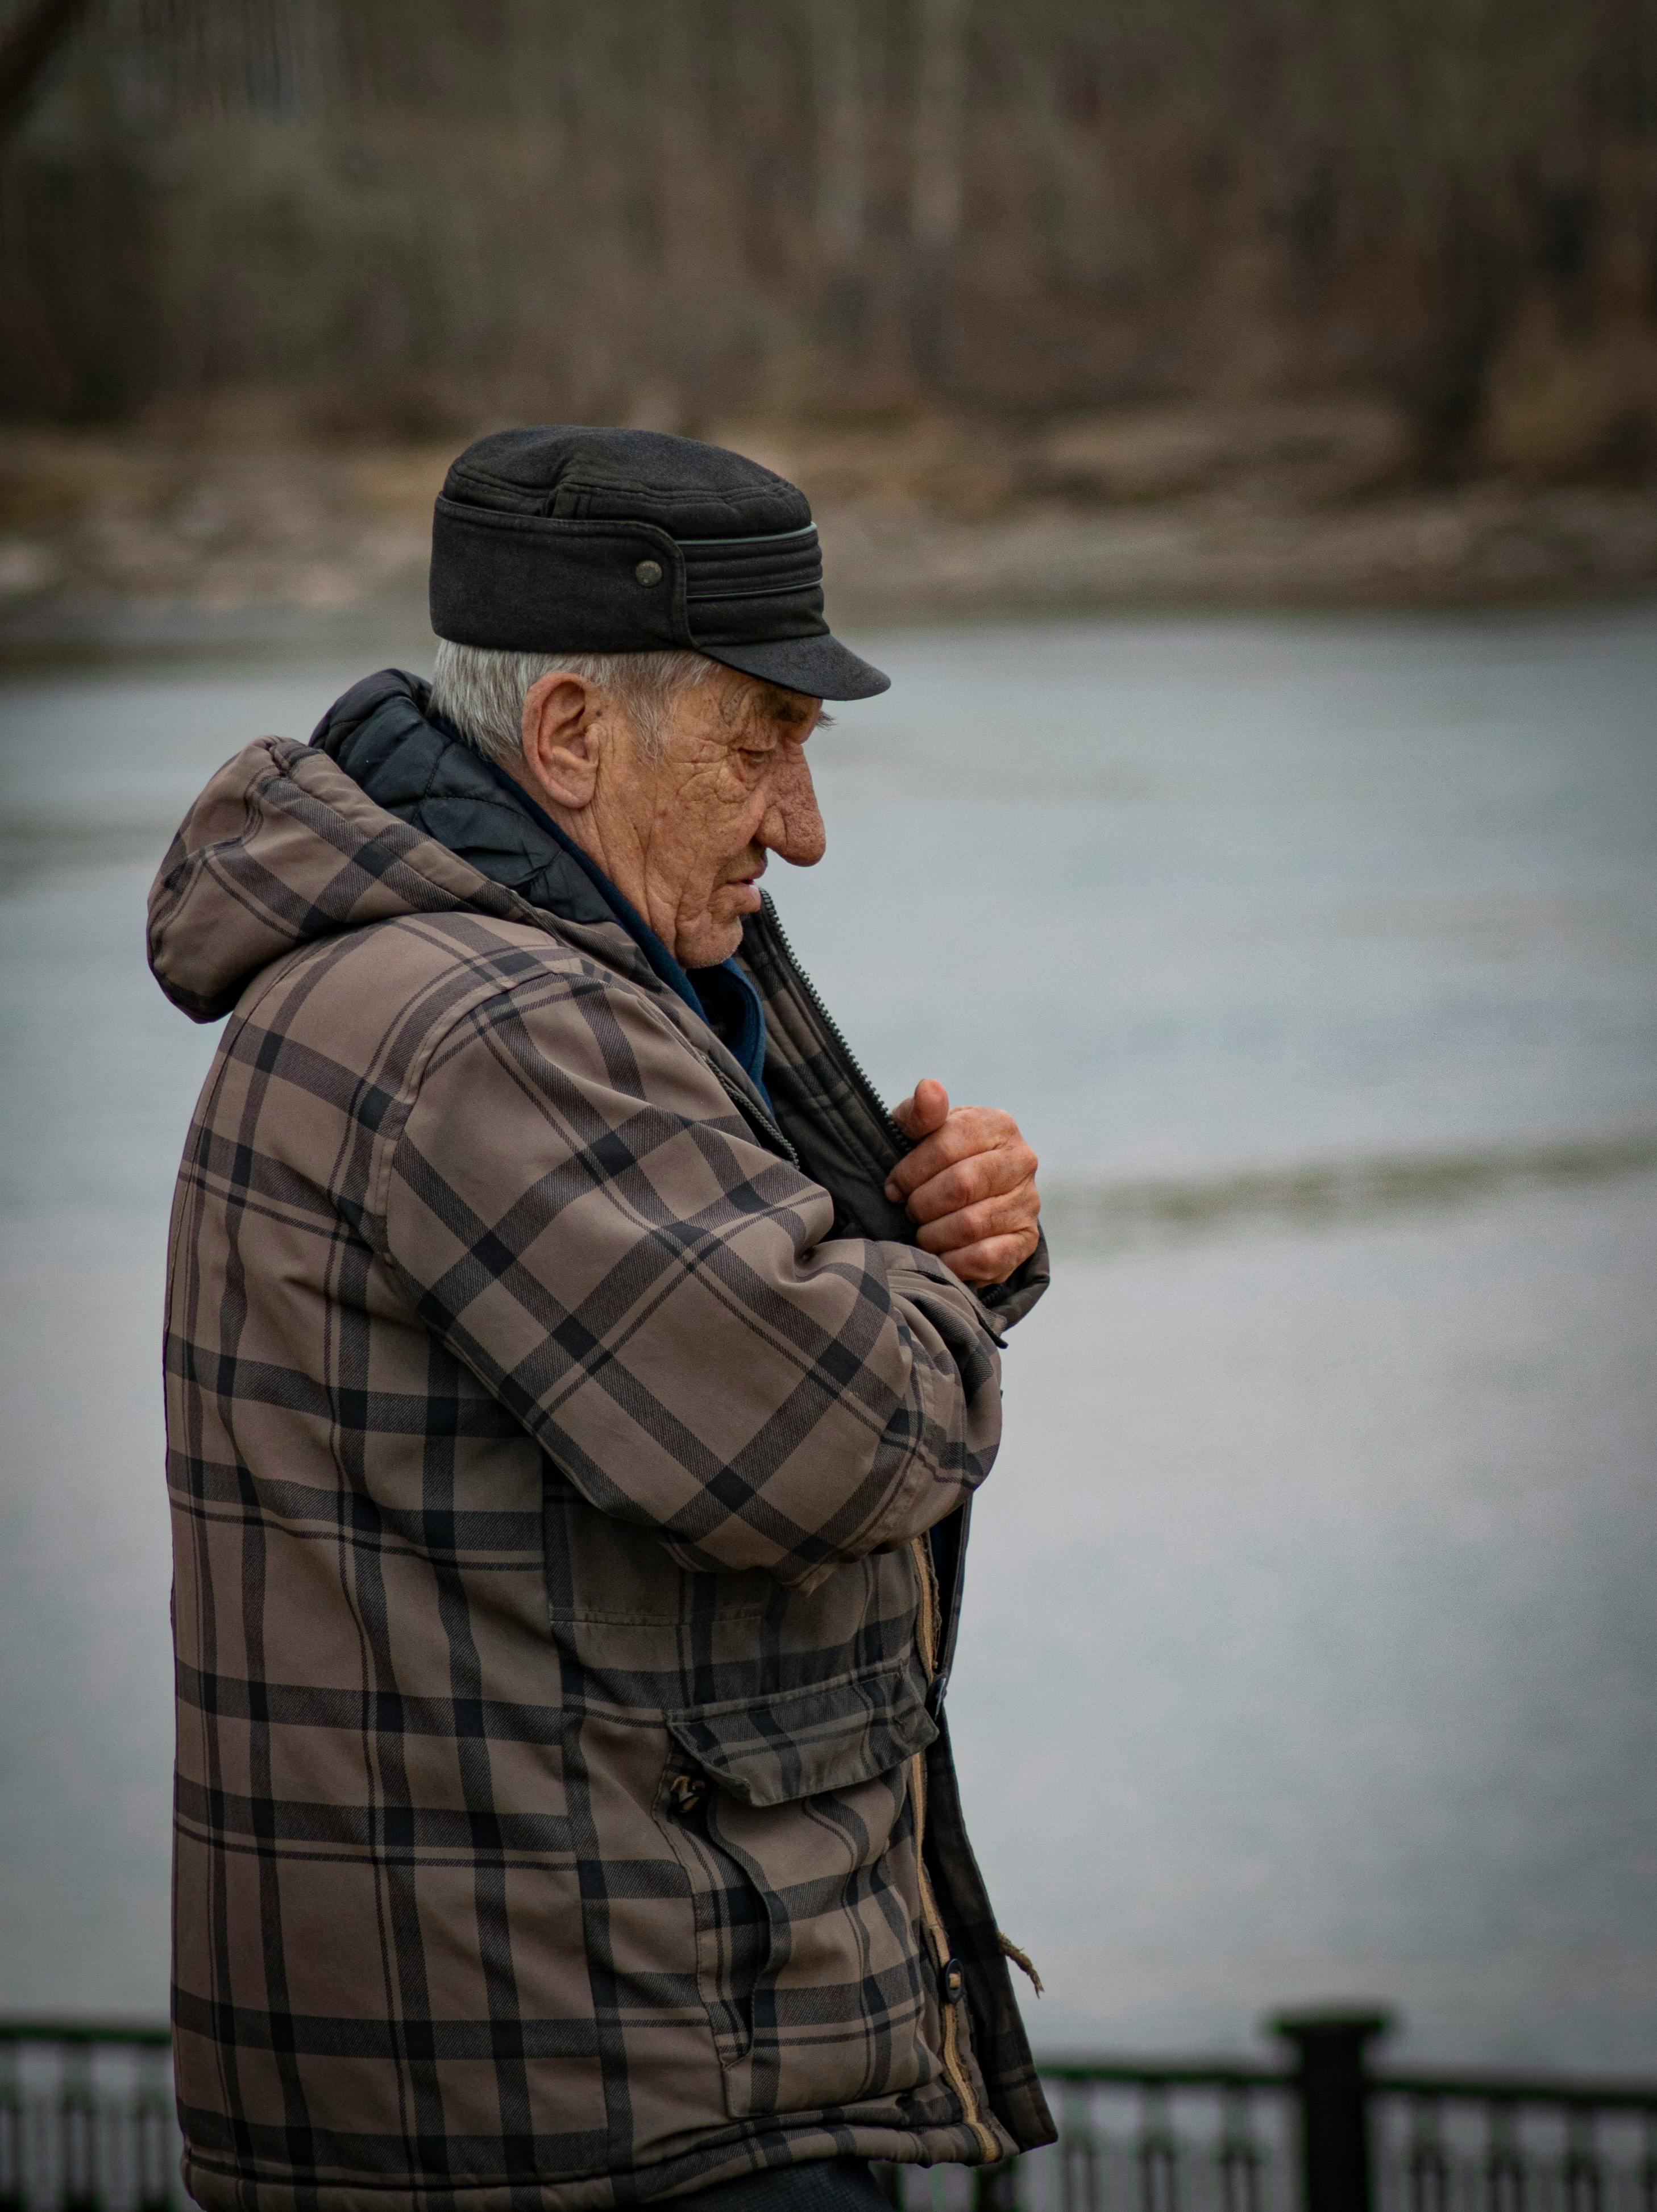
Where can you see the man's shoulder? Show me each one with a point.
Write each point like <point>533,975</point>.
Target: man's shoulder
<point>386,989</point>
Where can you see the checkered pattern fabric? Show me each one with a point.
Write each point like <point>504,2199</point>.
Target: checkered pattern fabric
<point>549,1474</point>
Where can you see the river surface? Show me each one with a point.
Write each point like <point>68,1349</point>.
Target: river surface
<point>1311,1640</point>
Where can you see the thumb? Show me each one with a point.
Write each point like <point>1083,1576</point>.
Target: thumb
<point>926,1109</point>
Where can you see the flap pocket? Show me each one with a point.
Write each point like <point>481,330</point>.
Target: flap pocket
<point>770,1750</point>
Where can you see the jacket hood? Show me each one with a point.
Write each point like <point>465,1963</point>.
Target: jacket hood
<point>383,814</point>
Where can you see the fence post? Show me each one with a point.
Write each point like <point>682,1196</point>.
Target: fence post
<point>1338,2165</point>
<point>996,2188</point>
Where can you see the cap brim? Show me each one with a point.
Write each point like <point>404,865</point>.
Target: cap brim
<point>821,667</point>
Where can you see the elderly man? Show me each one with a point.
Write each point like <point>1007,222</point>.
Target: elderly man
<point>576,1384</point>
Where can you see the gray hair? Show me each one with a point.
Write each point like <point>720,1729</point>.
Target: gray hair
<point>482,691</point>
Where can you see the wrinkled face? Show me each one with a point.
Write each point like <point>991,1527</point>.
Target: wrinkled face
<point>684,828</point>
<point>732,785</point>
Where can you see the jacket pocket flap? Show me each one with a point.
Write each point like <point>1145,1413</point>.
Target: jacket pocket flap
<point>770,1750</point>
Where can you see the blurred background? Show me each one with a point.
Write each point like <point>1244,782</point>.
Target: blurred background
<point>1233,423</point>
<point>1048,302</point>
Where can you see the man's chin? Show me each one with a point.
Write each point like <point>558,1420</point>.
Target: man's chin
<point>709,943</point>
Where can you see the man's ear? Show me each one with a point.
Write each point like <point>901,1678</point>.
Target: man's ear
<point>561,740</point>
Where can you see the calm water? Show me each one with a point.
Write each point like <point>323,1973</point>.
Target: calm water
<point>1311,1641</point>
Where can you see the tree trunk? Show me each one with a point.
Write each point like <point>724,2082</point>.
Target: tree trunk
<point>842,213</point>
<point>25,54</point>
<point>935,189</point>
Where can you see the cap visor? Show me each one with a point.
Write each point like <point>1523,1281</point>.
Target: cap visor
<point>821,667</point>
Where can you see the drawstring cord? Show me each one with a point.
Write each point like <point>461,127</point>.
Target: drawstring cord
<point>1010,1950</point>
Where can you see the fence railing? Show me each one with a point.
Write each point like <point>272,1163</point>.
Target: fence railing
<point>87,2125</point>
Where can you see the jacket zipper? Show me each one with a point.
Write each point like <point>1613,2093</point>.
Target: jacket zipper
<point>927,1625</point>
<point>872,1097</point>
<point>954,2070</point>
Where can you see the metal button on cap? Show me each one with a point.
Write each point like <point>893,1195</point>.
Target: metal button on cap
<point>648,572</point>
<point>953,1979</point>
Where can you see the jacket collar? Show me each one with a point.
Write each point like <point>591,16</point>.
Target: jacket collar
<point>723,997</point>
<point>415,764</point>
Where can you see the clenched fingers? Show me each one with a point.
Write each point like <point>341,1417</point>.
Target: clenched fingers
<point>970,1186</point>
<point>991,1261</point>
<point>968,1132</point>
<point>1013,1215</point>
<point>983,1176</point>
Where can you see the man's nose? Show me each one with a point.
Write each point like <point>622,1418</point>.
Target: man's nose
<point>793,828</point>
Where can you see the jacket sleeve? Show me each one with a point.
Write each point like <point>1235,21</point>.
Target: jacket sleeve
<point>581,1215</point>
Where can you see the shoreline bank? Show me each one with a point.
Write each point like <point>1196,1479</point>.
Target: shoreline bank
<point>123,546</point>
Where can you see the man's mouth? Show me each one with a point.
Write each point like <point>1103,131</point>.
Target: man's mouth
<point>746,886</point>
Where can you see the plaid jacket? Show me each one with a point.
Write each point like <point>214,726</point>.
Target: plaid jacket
<point>564,1816</point>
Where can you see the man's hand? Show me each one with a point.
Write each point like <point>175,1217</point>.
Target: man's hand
<point>970,1182</point>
